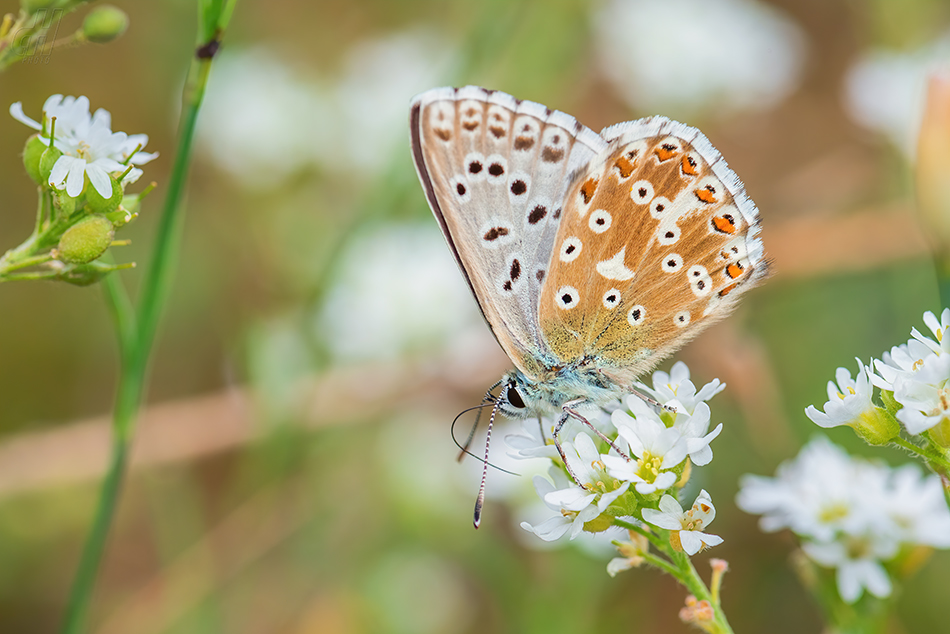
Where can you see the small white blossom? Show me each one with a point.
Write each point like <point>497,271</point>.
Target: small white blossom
<point>658,449</point>
<point>693,429</point>
<point>90,148</point>
<point>689,525</point>
<point>575,505</point>
<point>918,373</point>
<point>858,564</point>
<point>531,442</point>
<point>851,514</point>
<point>677,386</point>
<point>848,399</point>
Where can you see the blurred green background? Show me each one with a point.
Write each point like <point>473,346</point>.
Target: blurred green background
<point>294,470</point>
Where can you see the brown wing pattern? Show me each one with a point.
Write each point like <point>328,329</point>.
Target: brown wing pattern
<point>495,171</point>
<point>658,241</point>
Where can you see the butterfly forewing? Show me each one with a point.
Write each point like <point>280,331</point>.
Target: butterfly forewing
<point>496,172</point>
<point>657,241</point>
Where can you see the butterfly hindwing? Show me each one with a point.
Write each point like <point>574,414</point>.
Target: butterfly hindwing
<point>658,240</point>
<point>496,171</point>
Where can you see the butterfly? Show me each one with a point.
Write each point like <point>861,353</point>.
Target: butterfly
<point>592,256</point>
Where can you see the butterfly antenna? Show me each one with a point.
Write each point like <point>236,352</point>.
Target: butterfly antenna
<point>488,399</point>
<point>463,450</point>
<point>480,500</point>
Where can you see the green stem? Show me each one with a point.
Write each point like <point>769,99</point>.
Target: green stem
<point>136,335</point>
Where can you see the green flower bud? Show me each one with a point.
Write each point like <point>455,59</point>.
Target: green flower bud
<point>32,152</point>
<point>86,240</point>
<point>876,426</point>
<point>47,160</point>
<point>64,202</point>
<point>104,24</point>
<point>96,204</point>
<point>84,274</point>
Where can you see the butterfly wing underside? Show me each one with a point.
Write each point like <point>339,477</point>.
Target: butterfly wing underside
<point>658,240</point>
<point>496,172</point>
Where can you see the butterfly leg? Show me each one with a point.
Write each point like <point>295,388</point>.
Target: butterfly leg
<point>568,407</point>
<point>568,411</point>
<point>557,444</point>
<point>651,401</point>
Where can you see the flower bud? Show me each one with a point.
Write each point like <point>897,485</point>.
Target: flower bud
<point>86,240</point>
<point>96,204</point>
<point>32,152</point>
<point>876,426</point>
<point>933,157</point>
<point>64,202</point>
<point>47,160</point>
<point>104,24</point>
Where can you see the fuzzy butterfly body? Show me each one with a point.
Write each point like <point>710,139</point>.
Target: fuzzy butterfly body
<point>592,257</point>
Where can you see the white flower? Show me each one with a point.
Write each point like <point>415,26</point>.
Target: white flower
<point>89,146</point>
<point>676,386</point>
<point>814,494</point>
<point>916,508</point>
<point>531,442</point>
<point>924,395</point>
<point>658,449</point>
<point>857,561</point>
<point>918,373</point>
<point>848,400</point>
<point>576,506</point>
<point>721,55</point>
<point>687,526</point>
<point>693,430</point>
<point>852,514</point>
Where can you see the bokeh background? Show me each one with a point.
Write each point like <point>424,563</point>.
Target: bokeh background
<point>294,470</point>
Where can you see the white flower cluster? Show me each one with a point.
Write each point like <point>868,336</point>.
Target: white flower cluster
<point>90,148</point>
<point>658,444</point>
<point>918,374</point>
<point>852,515</point>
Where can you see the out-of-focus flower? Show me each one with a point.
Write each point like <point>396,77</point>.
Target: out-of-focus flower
<point>932,174</point>
<point>884,90</point>
<point>690,56</point>
<point>851,514</point>
<point>857,563</point>
<point>397,291</point>
<point>265,120</point>
<point>687,527</point>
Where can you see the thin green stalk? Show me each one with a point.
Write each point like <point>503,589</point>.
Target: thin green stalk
<point>694,583</point>
<point>137,333</point>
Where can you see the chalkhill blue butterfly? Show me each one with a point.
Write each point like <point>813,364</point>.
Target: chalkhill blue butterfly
<point>592,256</point>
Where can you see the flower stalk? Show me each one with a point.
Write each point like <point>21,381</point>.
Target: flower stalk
<point>136,330</point>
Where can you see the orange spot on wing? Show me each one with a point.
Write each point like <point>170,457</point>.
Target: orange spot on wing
<point>707,194</point>
<point>588,189</point>
<point>725,224</point>
<point>689,165</point>
<point>624,166</point>
<point>734,270</point>
<point>665,151</point>
<point>728,290</point>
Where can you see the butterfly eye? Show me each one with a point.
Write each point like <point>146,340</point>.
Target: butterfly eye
<point>514,398</point>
